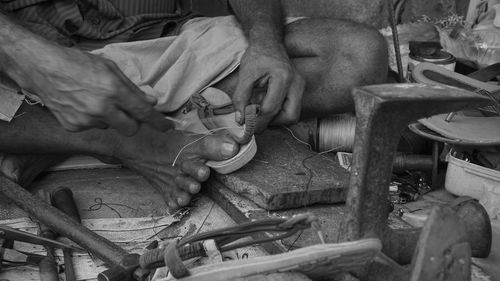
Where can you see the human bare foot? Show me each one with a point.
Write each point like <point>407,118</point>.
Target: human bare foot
<point>151,154</point>
<point>23,169</point>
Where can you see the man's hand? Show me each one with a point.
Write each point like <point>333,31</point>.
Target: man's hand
<point>270,69</point>
<point>85,91</point>
<point>82,90</point>
<point>266,64</point>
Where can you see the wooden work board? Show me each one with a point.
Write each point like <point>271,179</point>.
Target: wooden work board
<point>285,174</point>
<point>242,210</point>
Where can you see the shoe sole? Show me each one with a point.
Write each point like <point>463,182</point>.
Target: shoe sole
<point>246,153</point>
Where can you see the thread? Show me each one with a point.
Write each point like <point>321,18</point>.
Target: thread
<point>337,133</point>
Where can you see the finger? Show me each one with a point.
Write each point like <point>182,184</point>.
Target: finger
<point>276,93</point>
<point>139,107</point>
<point>241,97</point>
<point>272,102</point>
<point>120,121</point>
<point>290,111</point>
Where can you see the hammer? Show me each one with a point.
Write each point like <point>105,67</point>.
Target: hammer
<point>62,199</point>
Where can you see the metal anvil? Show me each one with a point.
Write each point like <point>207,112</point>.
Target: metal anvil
<point>382,112</point>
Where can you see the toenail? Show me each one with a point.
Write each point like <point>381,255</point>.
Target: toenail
<point>172,204</point>
<point>202,173</point>
<point>227,149</point>
<point>180,201</point>
<point>193,188</point>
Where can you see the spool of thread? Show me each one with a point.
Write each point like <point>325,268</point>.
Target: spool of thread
<point>337,133</point>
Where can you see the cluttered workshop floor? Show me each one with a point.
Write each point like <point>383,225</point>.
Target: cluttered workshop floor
<point>121,206</point>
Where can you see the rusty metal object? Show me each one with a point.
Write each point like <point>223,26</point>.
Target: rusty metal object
<point>62,199</point>
<point>382,112</point>
<point>62,223</point>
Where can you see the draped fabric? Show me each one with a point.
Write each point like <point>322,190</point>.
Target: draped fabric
<point>90,24</point>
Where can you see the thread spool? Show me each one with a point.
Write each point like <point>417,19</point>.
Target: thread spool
<point>337,133</point>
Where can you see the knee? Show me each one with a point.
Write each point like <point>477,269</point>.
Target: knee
<point>372,47</point>
<point>363,51</point>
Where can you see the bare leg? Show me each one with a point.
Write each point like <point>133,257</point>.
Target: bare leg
<point>333,56</point>
<point>150,153</point>
<point>23,169</point>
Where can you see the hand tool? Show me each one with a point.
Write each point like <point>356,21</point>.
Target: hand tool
<point>15,257</point>
<point>47,268</point>
<point>62,223</point>
<point>62,199</point>
<point>382,112</point>
<point>9,233</point>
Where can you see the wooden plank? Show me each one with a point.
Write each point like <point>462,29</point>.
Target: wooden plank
<point>243,210</point>
<point>287,174</point>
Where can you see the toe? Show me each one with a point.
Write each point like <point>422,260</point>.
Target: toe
<point>188,184</point>
<point>183,198</point>
<point>218,147</point>
<point>167,192</point>
<point>195,169</point>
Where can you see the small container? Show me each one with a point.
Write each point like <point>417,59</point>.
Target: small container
<point>441,58</point>
<point>468,179</point>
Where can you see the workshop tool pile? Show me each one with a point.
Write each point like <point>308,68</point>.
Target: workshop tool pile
<point>366,247</point>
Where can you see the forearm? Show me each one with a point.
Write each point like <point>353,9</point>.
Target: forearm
<point>261,20</point>
<point>21,51</point>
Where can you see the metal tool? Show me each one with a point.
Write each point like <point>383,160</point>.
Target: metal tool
<point>15,257</point>
<point>62,199</point>
<point>9,233</point>
<point>382,112</point>
<point>48,268</point>
<point>63,224</point>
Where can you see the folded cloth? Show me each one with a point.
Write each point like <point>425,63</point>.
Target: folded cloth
<point>10,102</point>
<point>172,69</point>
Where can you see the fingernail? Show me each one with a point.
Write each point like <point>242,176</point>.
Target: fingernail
<point>227,149</point>
<point>237,116</point>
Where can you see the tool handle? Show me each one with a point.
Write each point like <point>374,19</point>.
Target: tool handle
<point>48,269</point>
<point>62,199</point>
<point>69,269</point>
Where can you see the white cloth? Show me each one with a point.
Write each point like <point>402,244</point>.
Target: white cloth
<point>172,69</point>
